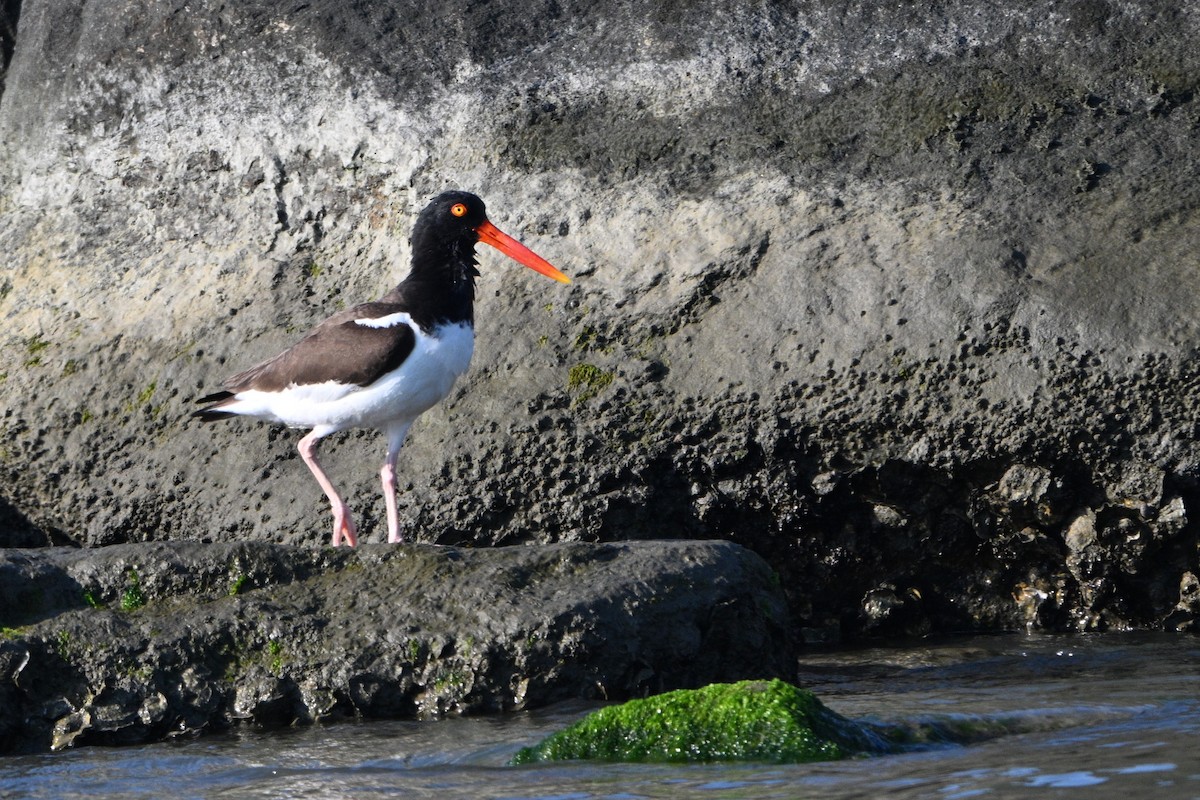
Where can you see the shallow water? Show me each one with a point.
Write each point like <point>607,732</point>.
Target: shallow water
<point>1108,716</point>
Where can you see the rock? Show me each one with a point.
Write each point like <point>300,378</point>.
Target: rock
<point>839,271</point>
<point>1186,614</point>
<point>765,721</point>
<point>1032,494</point>
<point>1081,539</point>
<point>1139,487</point>
<point>277,635</point>
<point>761,721</point>
<point>888,611</point>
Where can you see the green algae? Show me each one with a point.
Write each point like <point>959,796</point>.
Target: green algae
<point>275,650</point>
<point>587,381</point>
<point>758,721</point>
<point>765,721</point>
<point>34,345</point>
<point>133,597</point>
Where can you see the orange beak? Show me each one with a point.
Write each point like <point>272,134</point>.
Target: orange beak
<point>490,234</point>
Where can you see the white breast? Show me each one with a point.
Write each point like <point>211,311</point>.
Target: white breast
<point>426,377</point>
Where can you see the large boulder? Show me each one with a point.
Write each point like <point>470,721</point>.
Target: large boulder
<point>902,296</point>
<point>132,643</point>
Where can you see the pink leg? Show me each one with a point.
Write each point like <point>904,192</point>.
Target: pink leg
<point>343,525</point>
<point>387,476</point>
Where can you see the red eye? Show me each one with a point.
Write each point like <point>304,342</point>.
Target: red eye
<point>458,210</point>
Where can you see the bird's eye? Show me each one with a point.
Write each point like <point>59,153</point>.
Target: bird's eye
<point>458,210</point>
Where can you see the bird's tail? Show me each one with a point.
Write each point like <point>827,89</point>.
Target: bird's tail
<point>214,412</point>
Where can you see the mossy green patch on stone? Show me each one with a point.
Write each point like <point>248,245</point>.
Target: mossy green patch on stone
<point>34,345</point>
<point>585,340</point>
<point>133,597</point>
<point>143,398</point>
<point>768,721</point>
<point>63,648</point>
<point>275,651</point>
<point>587,380</point>
<point>146,393</point>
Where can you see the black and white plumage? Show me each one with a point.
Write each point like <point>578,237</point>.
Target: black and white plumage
<point>382,364</point>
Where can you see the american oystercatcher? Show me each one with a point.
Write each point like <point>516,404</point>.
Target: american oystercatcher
<point>382,364</point>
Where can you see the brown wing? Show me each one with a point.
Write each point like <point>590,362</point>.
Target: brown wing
<point>339,349</point>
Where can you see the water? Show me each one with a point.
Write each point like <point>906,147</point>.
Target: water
<point>1111,716</point>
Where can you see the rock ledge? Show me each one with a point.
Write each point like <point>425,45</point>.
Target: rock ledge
<point>135,643</point>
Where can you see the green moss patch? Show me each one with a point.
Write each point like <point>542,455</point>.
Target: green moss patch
<point>587,380</point>
<point>133,598</point>
<point>34,345</point>
<point>767,721</point>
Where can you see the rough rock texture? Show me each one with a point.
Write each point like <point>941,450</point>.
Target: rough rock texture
<point>138,642</point>
<point>903,296</point>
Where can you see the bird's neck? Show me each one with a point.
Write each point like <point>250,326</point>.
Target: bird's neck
<point>441,286</point>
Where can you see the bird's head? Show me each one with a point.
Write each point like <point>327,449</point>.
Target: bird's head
<point>454,219</point>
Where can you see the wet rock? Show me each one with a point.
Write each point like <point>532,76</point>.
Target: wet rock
<point>1139,487</point>
<point>1170,521</point>
<point>759,721</point>
<point>1040,604</point>
<point>892,612</point>
<point>410,631</point>
<point>1033,493</point>
<point>1081,540</point>
<point>1025,484</point>
<point>1186,614</point>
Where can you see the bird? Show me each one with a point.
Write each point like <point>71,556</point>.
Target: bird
<point>381,364</point>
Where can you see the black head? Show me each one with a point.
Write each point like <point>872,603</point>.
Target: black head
<point>446,233</point>
<point>449,219</point>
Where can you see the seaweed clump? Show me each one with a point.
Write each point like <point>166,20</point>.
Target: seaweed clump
<point>765,721</point>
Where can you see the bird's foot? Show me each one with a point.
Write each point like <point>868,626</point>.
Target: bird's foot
<point>395,536</point>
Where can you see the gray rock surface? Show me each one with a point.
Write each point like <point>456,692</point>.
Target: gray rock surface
<point>139,642</point>
<point>902,296</point>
